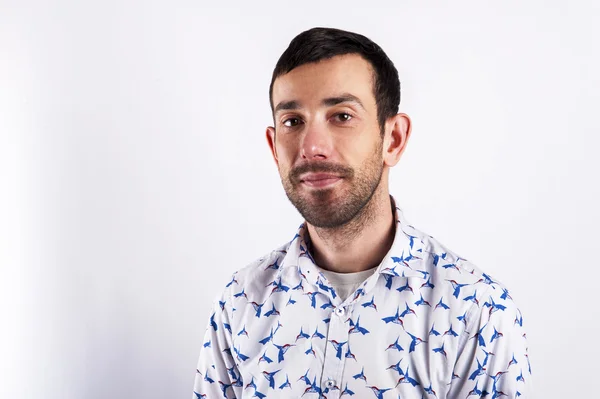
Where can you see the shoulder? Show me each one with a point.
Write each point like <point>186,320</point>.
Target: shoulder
<point>462,280</point>
<point>257,274</point>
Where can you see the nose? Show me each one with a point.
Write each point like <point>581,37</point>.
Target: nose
<point>317,141</point>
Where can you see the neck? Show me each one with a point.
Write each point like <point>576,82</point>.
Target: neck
<point>359,244</point>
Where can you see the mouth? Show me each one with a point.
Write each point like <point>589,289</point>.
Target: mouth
<point>319,180</point>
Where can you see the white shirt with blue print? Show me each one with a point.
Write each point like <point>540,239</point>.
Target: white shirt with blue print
<point>426,324</point>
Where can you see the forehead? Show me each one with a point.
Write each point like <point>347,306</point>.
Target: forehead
<point>308,84</point>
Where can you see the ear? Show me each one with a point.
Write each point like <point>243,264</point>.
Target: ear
<point>397,133</point>
<point>271,140</point>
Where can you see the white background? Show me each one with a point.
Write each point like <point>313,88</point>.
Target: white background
<point>135,176</point>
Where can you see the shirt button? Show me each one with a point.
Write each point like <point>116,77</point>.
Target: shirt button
<point>330,383</point>
<point>340,311</point>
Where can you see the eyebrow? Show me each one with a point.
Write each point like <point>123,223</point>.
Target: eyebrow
<point>330,101</point>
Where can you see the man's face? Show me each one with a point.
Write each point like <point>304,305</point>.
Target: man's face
<point>326,139</point>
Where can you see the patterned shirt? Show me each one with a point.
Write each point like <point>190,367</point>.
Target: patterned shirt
<point>426,324</point>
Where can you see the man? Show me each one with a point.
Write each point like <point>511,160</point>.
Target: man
<point>358,302</point>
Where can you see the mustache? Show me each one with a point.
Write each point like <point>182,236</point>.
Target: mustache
<point>319,167</point>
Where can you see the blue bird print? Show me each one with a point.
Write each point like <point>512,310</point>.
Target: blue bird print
<point>310,351</point>
<point>241,293</point>
<point>206,344</point>
<point>405,287</point>
<point>441,350</point>
<point>271,377</point>
<point>313,388</point>
<point>257,307</point>
<point>240,356</point>
<point>305,378</point>
<point>394,319</point>
<point>429,390</point>
<point>388,281</point>
<point>451,266</point>
<point>317,334</point>
<point>313,301</point>
<point>478,335</point>
<point>251,384</point>
<point>494,306</point>
<point>472,298</point>
<point>349,354</point>
<point>433,331</point>
<point>233,280</point>
<point>422,302</point>
<point>395,345</point>
<point>397,367</point>
<point>286,384</point>
<point>379,391</point>
<point>487,355</point>
<point>302,335</point>
<point>463,318</point>
<point>415,341</point>
<point>428,284</point>
<point>370,304</point>
<point>274,265</point>
<point>441,304</point>
<point>361,375</point>
<point>268,338</point>
<point>519,320</point>
<point>282,350</point>
<point>405,378</point>
<point>243,331</point>
<point>456,287</point>
<point>496,335</point>
<point>450,331</point>
<point>290,301</point>
<point>213,324</point>
<point>512,361</point>
<point>505,294</point>
<point>356,328</point>
<point>199,395</point>
<point>327,305</point>
<point>207,378</point>
<point>271,312</point>
<point>224,387</point>
<point>265,358</point>
<point>436,258</point>
<point>232,373</point>
<point>477,392</point>
<point>346,391</point>
<point>338,347</point>
<point>278,287</point>
<point>480,370</point>
<point>408,310</point>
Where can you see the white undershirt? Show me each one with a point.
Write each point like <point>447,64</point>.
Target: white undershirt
<point>345,284</point>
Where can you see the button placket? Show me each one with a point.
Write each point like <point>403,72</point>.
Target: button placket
<point>337,343</point>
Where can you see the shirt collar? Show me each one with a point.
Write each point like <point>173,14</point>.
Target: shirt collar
<point>404,258</point>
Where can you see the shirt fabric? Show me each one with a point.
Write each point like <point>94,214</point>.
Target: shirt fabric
<point>426,324</point>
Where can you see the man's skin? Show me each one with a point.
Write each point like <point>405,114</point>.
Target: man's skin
<point>349,218</point>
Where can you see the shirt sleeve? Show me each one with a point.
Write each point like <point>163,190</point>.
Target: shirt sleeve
<point>217,375</point>
<point>494,359</point>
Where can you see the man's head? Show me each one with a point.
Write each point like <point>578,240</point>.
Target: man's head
<point>335,97</point>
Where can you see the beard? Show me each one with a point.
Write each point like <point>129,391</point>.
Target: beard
<point>333,207</point>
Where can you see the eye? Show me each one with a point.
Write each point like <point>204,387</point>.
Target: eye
<point>291,122</point>
<point>343,116</point>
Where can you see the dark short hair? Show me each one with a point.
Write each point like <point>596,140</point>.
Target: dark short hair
<point>318,44</point>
